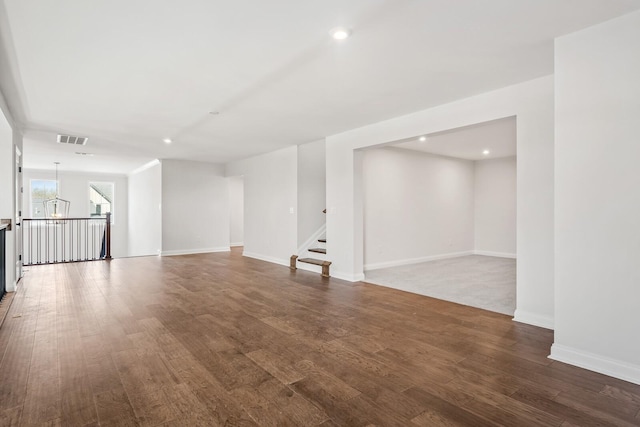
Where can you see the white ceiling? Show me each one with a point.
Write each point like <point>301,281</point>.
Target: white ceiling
<point>469,142</point>
<point>127,73</point>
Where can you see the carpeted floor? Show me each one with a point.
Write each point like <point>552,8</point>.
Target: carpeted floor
<point>474,280</point>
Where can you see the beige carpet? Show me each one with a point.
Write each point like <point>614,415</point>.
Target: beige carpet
<point>474,280</point>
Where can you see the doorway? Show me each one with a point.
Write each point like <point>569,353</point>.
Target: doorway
<point>439,215</point>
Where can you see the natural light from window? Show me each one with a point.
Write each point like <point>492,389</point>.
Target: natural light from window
<point>101,199</point>
<point>41,191</point>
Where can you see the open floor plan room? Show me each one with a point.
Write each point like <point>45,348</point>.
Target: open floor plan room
<point>221,339</point>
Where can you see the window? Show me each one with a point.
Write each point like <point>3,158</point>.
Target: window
<point>41,191</point>
<point>101,199</point>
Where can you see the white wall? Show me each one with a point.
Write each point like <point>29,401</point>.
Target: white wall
<point>532,103</point>
<point>195,207</point>
<point>597,213</point>
<point>495,207</point>
<point>145,213</point>
<point>236,210</point>
<point>270,203</point>
<point>312,189</point>
<point>74,187</point>
<point>417,207</point>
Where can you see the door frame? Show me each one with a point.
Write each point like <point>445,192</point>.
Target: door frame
<point>18,213</point>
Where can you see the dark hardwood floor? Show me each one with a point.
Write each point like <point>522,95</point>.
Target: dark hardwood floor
<point>218,339</point>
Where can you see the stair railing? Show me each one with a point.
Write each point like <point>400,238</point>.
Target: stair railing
<point>59,240</point>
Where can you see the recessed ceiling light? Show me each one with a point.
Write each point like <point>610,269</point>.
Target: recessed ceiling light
<point>167,141</point>
<point>340,33</point>
<point>486,152</point>
<point>422,139</point>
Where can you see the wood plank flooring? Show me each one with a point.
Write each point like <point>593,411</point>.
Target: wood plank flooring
<point>219,339</point>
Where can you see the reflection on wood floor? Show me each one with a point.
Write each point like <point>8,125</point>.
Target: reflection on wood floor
<point>218,339</point>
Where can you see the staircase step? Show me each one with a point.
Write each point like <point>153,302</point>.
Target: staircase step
<point>322,240</point>
<point>324,264</point>
<point>314,261</point>
<point>318,250</point>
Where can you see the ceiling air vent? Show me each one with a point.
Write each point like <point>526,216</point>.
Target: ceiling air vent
<point>74,140</point>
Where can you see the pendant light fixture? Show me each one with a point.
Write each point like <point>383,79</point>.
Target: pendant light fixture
<point>56,208</point>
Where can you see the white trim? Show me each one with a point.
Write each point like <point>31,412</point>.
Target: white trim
<point>266,258</point>
<point>113,202</point>
<point>348,277</point>
<point>313,240</point>
<point>57,181</point>
<point>594,362</point>
<point>534,319</point>
<point>144,255</point>
<point>146,166</point>
<point>195,251</point>
<point>400,262</point>
<point>495,254</point>
<point>235,244</point>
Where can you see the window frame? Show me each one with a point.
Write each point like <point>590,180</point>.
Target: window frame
<point>113,202</point>
<point>31,204</point>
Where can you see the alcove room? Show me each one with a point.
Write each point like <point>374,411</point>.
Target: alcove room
<point>440,215</point>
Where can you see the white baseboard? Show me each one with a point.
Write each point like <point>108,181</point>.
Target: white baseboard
<point>141,255</point>
<point>313,240</point>
<point>195,251</point>
<point>496,254</point>
<point>541,321</point>
<point>594,362</point>
<point>397,263</point>
<point>348,277</point>
<point>266,258</point>
<point>236,244</point>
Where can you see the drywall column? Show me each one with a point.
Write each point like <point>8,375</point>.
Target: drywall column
<point>145,212</point>
<point>598,198</point>
<point>532,103</point>
<point>534,218</point>
<point>343,225</point>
